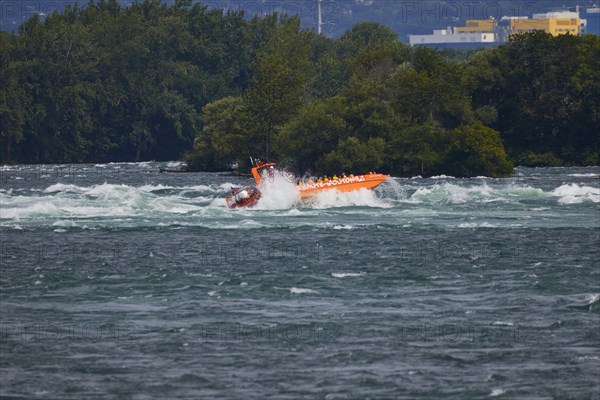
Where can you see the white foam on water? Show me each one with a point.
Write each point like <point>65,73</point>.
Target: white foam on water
<point>575,194</point>
<point>250,223</point>
<point>174,164</point>
<point>108,190</point>
<point>104,200</point>
<point>296,290</point>
<point>346,274</point>
<point>516,192</point>
<point>343,227</point>
<point>358,198</point>
<point>32,210</point>
<point>593,298</point>
<point>451,193</point>
<point>220,202</point>
<point>226,187</point>
<point>593,301</point>
<point>61,187</point>
<point>497,392</point>
<point>64,223</point>
<point>484,224</point>
<point>502,323</point>
<point>205,188</point>
<point>153,188</point>
<point>588,358</point>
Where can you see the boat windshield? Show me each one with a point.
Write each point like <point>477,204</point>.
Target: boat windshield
<point>263,171</point>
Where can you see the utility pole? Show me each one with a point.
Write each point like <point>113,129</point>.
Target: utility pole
<point>319,20</point>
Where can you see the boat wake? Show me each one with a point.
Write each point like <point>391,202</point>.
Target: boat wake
<point>359,198</point>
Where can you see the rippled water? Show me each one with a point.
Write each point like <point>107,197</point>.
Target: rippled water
<point>118,281</point>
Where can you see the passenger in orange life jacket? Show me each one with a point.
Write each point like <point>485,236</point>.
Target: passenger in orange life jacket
<point>325,179</point>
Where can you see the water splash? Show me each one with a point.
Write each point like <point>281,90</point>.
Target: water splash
<point>394,188</point>
<point>279,192</point>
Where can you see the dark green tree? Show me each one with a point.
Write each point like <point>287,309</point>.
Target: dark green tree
<point>476,150</point>
<point>282,70</point>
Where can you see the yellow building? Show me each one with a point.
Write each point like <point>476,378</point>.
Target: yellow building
<point>478,26</point>
<point>554,26</point>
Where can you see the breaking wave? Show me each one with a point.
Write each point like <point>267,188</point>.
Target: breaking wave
<point>452,193</point>
<point>573,194</point>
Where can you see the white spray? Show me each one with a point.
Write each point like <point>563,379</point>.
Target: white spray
<point>279,192</point>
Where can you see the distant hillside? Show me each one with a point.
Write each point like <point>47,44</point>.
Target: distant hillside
<point>404,17</point>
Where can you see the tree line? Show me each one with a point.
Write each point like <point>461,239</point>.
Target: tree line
<point>158,82</point>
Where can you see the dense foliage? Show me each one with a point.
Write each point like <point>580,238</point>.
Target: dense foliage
<point>151,81</point>
<point>106,83</point>
<point>546,92</point>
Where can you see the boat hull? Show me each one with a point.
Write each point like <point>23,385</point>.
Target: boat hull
<point>348,184</point>
<point>241,203</point>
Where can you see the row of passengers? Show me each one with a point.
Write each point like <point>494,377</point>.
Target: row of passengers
<point>326,178</point>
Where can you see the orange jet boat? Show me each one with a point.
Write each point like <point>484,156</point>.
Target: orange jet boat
<point>345,184</point>
<point>247,197</point>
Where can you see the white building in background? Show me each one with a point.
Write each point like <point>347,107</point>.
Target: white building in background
<point>450,38</point>
<point>556,14</point>
<point>482,33</point>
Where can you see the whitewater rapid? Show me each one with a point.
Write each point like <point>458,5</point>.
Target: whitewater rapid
<point>129,195</point>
